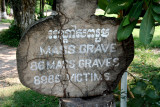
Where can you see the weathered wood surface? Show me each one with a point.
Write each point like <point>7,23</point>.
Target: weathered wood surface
<point>74,54</point>
<point>102,101</point>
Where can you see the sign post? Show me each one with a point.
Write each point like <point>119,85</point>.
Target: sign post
<point>123,99</point>
<point>74,54</point>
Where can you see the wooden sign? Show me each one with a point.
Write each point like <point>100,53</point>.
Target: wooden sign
<point>73,54</point>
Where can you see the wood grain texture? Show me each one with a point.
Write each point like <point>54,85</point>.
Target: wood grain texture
<point>82,59</point>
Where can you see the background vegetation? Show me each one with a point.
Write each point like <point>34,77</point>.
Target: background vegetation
<point>144,72</point>
<point>145,84</point>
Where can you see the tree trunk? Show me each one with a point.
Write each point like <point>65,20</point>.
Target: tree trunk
<point>43,3</point>
<point>24,12</point>
<point>0,10</point>
<point>3,9</point>
<point>54,5</point>
<point>40,8</point>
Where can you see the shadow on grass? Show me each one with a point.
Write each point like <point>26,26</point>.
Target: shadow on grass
<point>29,98</point>
<point>144,70</point>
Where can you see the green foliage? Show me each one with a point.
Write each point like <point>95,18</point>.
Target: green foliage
<point>116,5</point>
<point>145,64</point>
<point>6,21</point>
<point>135,11</point>
<point>50,2</point>
<point>156,8</point>
<point>128,23</point>
<point>8,10</point>
<point>147,93</point>
<point>156,1</point>
<point>20,96</point>
<point>46,7</point>
<point>11,36</point>
<point>147,28</point>
<point>132,11</point>
<point>125,31</point>
<point>103,4</point>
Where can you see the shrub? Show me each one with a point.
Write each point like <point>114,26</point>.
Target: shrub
<point>11,36</point>
<point>147,93</point>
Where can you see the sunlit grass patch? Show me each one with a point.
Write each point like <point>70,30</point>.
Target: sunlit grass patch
<point>6,21</point>
<point>20,96</point>
<point>146,62</point>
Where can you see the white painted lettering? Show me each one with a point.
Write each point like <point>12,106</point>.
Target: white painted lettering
<point>95,63</point>
<point>116,60</point>
<point>57,78</point>
<point>33,66</point>
<point>86,76</point>
<point>59,64</point>
<point>43,79</point>
<point>41,65</point>
<point>88,63</point>
<point>50,66</point>
<point>51,79</point>
<point>90,48</point>
<point>79,77</point>
<point>43,52</point>
<point>112,48</point>
<point>98,49</point>
<point>104,49</point>
<point>108,62</point>
<point>96,78</point>
<point>71,49</point>
<point>107,76</point>
<point>82,49</point>
<point>81,63</point>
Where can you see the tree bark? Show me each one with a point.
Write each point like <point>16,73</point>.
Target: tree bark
<point>43,3</point>
<point>24,12</point>
<point>40,8</point>
<point>54,5</point>
<point>0,10</point>
<point>3,9</point>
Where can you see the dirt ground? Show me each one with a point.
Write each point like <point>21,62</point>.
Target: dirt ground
<point>4,26</point>
<point>8,68</point>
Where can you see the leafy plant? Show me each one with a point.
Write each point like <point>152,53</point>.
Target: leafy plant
<point>11,36</point>
<point>129,12</point>
<point>147,93</point>
<point>37,9</point>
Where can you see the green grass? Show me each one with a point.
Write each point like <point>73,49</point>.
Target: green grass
<point>145,65</point>
<point>146,61</point>
<point>11,36</point>
<point>20,96</point>
<point>6,21</point>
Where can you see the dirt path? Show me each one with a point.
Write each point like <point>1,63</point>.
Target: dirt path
<point>8,69</point>
<point>4,26</point>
